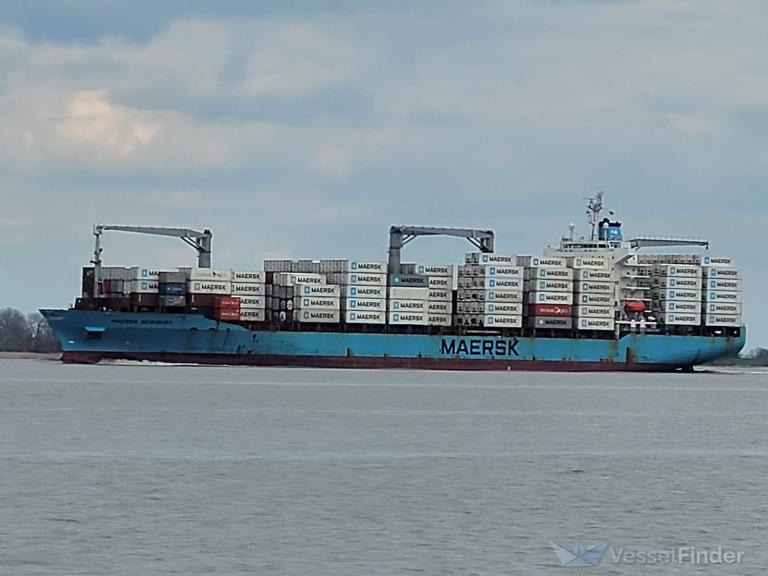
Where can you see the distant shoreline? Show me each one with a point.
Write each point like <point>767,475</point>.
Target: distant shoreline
<point>30,355</point>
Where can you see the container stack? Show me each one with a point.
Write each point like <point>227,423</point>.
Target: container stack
<point>172,289</point>
<point>317,302</point>
<point>440,293</point>
<point>143,288</point>
<point>722,292</point>
<point>549,289</point>
<point>226,308</point>
<point>677,290</point>
<point>281,290</point>
<point>364,290</point>
<point>407,300</point>
<point>204,285</point>
<point>249,287</point>
<point>595,299</point>
<point>490,291</point>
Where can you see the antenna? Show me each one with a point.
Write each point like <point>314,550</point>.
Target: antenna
<point>594,208</point>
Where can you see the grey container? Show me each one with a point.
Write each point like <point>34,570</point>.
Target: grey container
<point>176,277</point>
<point>409,281</point>
<point>550,322</point>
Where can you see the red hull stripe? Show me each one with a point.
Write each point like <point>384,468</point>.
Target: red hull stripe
<point>467,364</point>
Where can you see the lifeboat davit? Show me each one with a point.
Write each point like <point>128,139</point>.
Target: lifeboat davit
<point>634,307</point>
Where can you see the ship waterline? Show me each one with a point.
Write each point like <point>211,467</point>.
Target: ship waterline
<point>92,336</point>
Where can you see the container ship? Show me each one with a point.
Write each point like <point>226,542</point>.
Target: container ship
<point>596,302</point>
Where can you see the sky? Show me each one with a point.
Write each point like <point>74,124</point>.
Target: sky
<point>305,129</point>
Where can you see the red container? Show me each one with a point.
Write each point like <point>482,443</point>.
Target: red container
<point>198,300</point>
<point>225,314</point>
<point>227,303</point>
<point>150,300</point>
<point>550,310</point>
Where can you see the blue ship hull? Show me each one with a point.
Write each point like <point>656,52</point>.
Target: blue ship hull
<point>88,336</point>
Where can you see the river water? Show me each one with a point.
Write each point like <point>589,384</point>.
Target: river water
<point>153,469</point>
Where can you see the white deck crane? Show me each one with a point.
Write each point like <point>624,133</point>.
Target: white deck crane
<point>200,241</point>
<point>399,236</point>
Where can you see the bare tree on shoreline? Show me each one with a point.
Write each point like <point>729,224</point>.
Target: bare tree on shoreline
<point>21,332</point>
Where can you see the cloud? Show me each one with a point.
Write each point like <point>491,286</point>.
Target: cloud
<point>95,123</point>
<point>331,161</point>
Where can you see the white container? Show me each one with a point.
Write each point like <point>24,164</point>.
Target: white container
<point>720,283</point>
<point>676,294</point>
<point>365,279</point>
<point>247,289</point>
<point>724,272</point>
<point>144,286</point>
<point>324,290</point>
<point>596,275</point>
<point>550,285</point>
<point>252,302</point>
<point>687,283</point>
<point>722,296</point>
<point>723,308</point>
<point>372,304</point>
<point>408,293</point>
<point>408,305</point>
<point>208,274</point>
<point>319,316</point>
<point>501,271</point>
<point>441,282</point>
<point>209,287</point>
<point>594,312</point>
<point>482,258</point>
<point>137,273</point>
<point>439,307</point>
<point>498,283</point>
<point>680,318</point>
<point>543,261</point>
<point>316,303</point>
<point>362,291</point>
<point>594,287</point>
<point>439,319</point>
<point>595,324</point>
<point>595,262</point>
<point>441,295</point>
<point>254,276</point>
<point>548,273</point>
<point>677,270</point>
<point>364,317</point>
<point>722,320</point>
<point>680,306</point>
<point>366,267</point>
<point>497,295</point>
<point>550,298</point>
<point>407,318</point>
<point>252,314</point>
<point>719,261</point>
<point>508,308</point>
<point>589,299</point>
<point>502,320</point>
